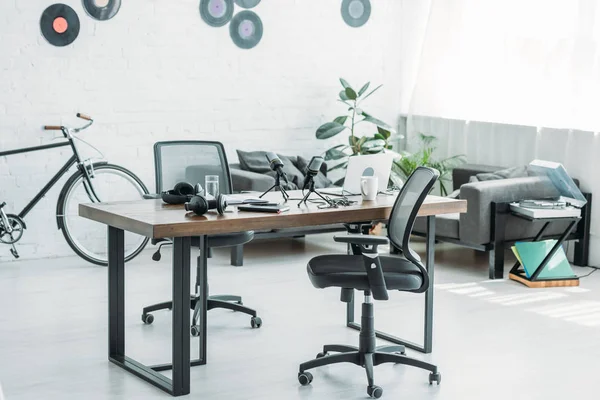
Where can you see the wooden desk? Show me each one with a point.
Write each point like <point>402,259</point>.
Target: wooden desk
<point>154,219</point>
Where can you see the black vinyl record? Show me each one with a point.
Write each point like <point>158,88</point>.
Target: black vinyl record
<point>246,29</point>
<point>102,10</point>
<point>247,3</point>
<point>356,13</point>
<point>216,12</point>
<point>60,25</point>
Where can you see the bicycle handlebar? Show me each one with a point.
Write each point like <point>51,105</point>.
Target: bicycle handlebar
<point>71,130</point>
<point>83,116</point>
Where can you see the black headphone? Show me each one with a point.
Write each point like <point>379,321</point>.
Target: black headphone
<point>188,195</point>
<point>200,204</point>
<point>181,193</point>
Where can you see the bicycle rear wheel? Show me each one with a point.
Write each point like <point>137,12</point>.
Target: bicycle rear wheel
<point>88,238</point>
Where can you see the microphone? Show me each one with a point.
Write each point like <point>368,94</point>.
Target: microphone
<point>312,170</point>
<point>314,166</point>
<point>276,165</point>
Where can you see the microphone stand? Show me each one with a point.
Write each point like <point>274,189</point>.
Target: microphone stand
<point>277,186</point>
<point>311,189</point>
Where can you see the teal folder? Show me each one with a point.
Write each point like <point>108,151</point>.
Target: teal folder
<point>533,253</point>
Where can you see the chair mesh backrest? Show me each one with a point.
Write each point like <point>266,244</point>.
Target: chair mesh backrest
<point>407,205</point>
<point>190,161</point>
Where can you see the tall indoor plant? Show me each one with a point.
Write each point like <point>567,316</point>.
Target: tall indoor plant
<point>370,144</point>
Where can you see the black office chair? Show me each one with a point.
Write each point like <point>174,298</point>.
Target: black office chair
<point>190,161</point>
<point>375,275</point>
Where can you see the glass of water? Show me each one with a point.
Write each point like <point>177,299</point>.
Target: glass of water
<point>211,185</point>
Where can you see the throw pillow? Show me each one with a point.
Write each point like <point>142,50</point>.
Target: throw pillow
<point>514,172</point>
<point>321,179</point>
<point>256,161</point>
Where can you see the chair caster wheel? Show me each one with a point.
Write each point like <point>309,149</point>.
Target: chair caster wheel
<point>195,330</point>
<point>255,322</point>
<point>305,378</point>
<point>374,392</point>
<point>321,355</point>
<point>435,378</point>
<point>147,319</point>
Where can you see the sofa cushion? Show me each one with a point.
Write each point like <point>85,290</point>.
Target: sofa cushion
<point>514,172</point>
<point>446,225</point>
<point>256,161</point>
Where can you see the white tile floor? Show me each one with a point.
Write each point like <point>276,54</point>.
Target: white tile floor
<point>493,339</point>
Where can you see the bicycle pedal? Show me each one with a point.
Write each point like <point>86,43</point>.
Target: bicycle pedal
<point>14,253</point>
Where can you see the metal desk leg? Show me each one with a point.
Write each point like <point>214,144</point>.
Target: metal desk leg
<point>427,346</point>
<point>181,316</point>
<point>180,384</point>
<point>116,293</point>
<point>203,280</point>
<point>429,264</point>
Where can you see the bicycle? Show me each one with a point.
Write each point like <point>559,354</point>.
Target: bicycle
<point>92,182</point>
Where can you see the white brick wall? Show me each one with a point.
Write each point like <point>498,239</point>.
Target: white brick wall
<point>157,71</point>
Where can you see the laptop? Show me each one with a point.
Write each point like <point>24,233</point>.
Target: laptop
<point>379,165</point>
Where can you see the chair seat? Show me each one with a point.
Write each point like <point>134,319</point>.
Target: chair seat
<point>348,271</point>
<point>226,239</point>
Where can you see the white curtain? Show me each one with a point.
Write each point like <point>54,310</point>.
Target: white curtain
<point>504,82</point>
<point>526,62</point>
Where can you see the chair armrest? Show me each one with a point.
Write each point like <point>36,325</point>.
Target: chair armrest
<point>371,261</point>
<point>366,240</point>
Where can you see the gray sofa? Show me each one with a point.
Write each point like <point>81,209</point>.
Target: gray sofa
<point>480,228</point>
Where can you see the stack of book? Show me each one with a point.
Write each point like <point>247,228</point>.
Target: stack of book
<point>531,255</point>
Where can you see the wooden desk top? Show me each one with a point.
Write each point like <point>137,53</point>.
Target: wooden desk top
<point>154,219</point>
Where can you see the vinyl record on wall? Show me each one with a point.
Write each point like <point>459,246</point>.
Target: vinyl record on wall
<point>59,25</point>
<point>246,29</point>
<point>216,12</point>
<point>356,13</point>
<point>102,9</point>
<point>247,3</point>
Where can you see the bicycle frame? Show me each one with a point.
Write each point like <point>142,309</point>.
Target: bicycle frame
<point>74,159</point>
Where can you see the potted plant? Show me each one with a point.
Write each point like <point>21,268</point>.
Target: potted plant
<point>378,142</point>
<point>405,165</point>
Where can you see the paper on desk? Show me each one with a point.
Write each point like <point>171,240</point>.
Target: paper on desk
<point>242,198</point>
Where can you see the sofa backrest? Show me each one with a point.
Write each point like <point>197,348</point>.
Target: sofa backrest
<point>475,224</point>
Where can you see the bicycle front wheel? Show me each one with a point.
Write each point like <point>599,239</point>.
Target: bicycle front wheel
<point>88,238</point>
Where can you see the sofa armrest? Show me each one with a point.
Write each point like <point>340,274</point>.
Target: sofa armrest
<point>245,181</point>
<point>462,173</point>
<point>475,224</point>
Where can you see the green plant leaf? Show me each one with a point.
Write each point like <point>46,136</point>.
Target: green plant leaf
<point>377,122</point>
<point>335,154</point>
<point>345,83</point>
<point>384,132</point>
<point>374,145</point>
<point>363,89</point>
<point>329,129</point>
<point>351,94</point>
<point>379,136</point>
<point>339,166</point>
<point>373,91</point>
<point>343,96</point>
<point>341,120</point>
